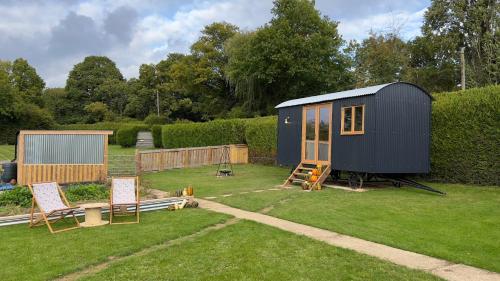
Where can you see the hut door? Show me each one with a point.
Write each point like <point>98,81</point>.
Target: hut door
<point>316,133</point>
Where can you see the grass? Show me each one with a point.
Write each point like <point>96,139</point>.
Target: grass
<point>35,254</point>
<point>251,251</point>
<point>205,183</point>
<point>6,152</point>
<point>461,226</point>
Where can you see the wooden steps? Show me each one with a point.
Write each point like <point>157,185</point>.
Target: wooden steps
<point>301,174</point>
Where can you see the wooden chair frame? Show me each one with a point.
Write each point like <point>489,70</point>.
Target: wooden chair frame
<point>44,217</point>
<point>112,206</point>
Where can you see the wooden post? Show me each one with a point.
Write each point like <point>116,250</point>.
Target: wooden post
<point>137,162</point>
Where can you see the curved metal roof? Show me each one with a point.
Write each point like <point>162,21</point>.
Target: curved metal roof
<point>339,95</point>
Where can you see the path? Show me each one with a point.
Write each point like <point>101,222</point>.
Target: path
<point>439,267</point>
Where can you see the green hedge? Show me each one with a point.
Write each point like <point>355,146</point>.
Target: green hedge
<point>261,137</point>
<point>156,132</point>
<point>466,136</point>
<point>111,126</point>
<point>218,132</point>
<point>127,136</point>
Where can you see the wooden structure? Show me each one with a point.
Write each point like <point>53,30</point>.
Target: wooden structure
<point>124,193</point>
<point>377,130</point>
<point>47,197</point>
<point>62,156</point>
<point>165,159</point>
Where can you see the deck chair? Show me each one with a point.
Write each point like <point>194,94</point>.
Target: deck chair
<point>47,197</point>
<point>124,193</point>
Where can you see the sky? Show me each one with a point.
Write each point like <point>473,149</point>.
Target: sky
<point>55,35</point>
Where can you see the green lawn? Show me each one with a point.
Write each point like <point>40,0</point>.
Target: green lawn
<point>462,226</point>
<point>205,183</point>
<point>6,152</point>
<point>251,251</point>
<point>35,254</point>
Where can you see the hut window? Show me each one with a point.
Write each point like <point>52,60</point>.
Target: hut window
<point>353,120</point>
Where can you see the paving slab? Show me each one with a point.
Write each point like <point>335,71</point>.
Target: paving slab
<point>442,268</point>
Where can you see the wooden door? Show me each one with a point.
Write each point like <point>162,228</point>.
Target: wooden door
<point>317,133</point>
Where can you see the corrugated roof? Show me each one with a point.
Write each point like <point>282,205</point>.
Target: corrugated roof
<point>333,96</point>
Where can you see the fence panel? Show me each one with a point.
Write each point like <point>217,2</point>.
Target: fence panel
<point>165,159</point>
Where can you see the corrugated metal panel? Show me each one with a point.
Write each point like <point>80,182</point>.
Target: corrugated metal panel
<point>64,149</point>
<point>289,136</point>
<point>333,96</point>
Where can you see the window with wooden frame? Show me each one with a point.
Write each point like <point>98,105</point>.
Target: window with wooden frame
<point>353,120</point>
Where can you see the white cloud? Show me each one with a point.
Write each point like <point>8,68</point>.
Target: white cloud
<point>29,28</point>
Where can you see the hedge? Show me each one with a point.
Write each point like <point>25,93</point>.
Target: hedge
<point>261,137</point>
<point>127,136</point>
<point>111,126</point>
<point>466,136</point>
<point>218,132</point>
<point>156,132</point>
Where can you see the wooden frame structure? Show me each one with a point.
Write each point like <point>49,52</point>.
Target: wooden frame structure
<point>46,217</point>
<point>123,207</point>
<point>60,172</point>
<point>317,108</point>
<point>353,130</point>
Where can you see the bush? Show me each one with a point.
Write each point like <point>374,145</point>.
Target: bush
<point>111,126</point>
<point>127,136</point>
<point>261,137</point>
<point>465,136</point>
<point>154,119</point>
<point>30,117</point>
<point>19,196</point>
<point>218,132</point>
<point>156,132</point>
<point>84,192</point>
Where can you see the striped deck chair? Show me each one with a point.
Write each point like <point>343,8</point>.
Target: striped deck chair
<point>124,194</point>
<point>47,197</point>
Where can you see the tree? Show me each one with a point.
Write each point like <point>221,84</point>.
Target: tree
<point>114,94</point>
<point>297,54</point>
<point>27,82</point>
<point>85,79</point>
<point>97,112</point>
<point>472,24</point>
<point>215,96</point>
<point>379,59</point>
<point>56,101</point>
<point>7,98</point>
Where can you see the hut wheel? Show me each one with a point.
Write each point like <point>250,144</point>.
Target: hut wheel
<point>355,180</point>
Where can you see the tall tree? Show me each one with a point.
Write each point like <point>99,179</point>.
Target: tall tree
<point>27,81</point>
<point>379,59</point>
<point>472,24</point>
<point>56,101</point>
<point>295,55</point>
<point>85,79</point>
<point>7,98</point>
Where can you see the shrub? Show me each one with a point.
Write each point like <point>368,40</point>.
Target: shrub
<point>261,137</point>
<point>111,126</point>
<point>218,132</point>
<point>465,136</point>
<point>156,132</point>
<point>127,136</point>
<point>19,196</point>
<point>83,192</point>
<point>154,119</point>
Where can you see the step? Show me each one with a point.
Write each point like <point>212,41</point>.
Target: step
<point>301,174</point>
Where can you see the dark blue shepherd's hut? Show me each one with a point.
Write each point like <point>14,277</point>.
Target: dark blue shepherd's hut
<point>383,129</point>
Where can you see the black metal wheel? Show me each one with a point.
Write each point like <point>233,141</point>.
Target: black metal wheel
<point>355,180</point>
<point>396,184</point>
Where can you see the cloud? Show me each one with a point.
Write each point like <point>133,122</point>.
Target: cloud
<point>54,35</point>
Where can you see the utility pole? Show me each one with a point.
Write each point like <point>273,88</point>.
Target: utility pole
<point>462,60</point>
<point>158,102</point>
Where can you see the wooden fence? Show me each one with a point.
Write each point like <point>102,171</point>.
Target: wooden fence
<point>165,159</point>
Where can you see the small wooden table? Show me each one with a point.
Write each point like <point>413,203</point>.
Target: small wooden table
<point>93,214</point>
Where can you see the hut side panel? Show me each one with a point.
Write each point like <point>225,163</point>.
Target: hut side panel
<point>63,158</point>
<point>403,130</point>
<point>289,135</point>
<point>354,153</point>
